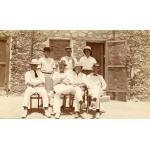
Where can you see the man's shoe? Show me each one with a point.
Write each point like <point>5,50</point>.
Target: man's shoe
<point>97,116</point>
<point>92,106</point>
<point>76,115</point>
<point>57,115</point>
<point>47,114</point>
<point>25,113</point>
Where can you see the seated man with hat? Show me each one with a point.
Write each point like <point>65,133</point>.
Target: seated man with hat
<point>63,85</point>
<point>35,80</point>
<point>69,60</point>
<point>96,85</point>
<point>78,80</point>
<point>87,60</point>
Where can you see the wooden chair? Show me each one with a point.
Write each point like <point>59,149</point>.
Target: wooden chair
<point>39,108</point>
<point>67,104</point>
<point>87,101</point>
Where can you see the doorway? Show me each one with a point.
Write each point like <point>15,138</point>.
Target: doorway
<point>98,52</point>
<point>4,65</point>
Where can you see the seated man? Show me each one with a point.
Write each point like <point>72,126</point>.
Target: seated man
<point>63,85</point>
<point>34,79</point>
<point>96,85</point>
<point>78,80</point>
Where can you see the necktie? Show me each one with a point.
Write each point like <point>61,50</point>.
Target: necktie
<point>36,76</point>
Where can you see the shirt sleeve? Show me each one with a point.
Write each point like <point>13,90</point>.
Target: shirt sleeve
<point>42,77</point>
<point>27,78</point>
<point>56,78</point>
<point>87,80</point>
<point>103,83</point>
<point>54,64</point>
<point>94,60</point>
<point>81,60</point>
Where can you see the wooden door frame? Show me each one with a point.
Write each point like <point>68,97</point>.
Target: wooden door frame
<point>60,38</point>
<point>106,61</point>
<point>103,42</point>
<point>6,86</point>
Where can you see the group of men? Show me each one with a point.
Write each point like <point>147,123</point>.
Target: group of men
<point>70,76</point>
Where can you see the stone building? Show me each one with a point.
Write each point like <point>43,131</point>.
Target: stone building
<point>18,47</point>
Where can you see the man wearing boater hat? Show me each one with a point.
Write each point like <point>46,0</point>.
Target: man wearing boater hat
<point>87,60</point>
<point>69,60</point>
<point>78,80</point>
<point>63,85</point>
<point>47,67</point>
<point>35,81</point>
<point>96,85</point>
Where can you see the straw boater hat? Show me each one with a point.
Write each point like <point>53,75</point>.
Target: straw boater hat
<point>34,62</point>
<point>87,48</point>
<point>68,49</point>
<point>46,49</point>
<point>78,64</point>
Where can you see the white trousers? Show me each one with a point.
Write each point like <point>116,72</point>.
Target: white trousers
<point>29,91</point>
<point>67,89</point>
<point>96,92</point>
<point>48,82</point>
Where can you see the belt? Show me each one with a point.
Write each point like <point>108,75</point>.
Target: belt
<point>46,72</point>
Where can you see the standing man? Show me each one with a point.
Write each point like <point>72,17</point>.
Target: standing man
<point>63,85</point>
<point>47,67</point>
<point>34,80</point>
<point>87,60</point>
<point>96,85</point>
<point>69,60</point>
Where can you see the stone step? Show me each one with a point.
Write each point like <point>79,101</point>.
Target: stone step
<point>3,92</point>
<point>105,98</point>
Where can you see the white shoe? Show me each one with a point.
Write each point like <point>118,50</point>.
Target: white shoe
<point>76,115</point>
<point>92,106</point>
<point>57,116</point>
<point>97,115</point>
<point>47,114</point>
<point>25,113</point>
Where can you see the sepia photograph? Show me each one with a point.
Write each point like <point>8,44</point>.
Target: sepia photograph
<point>74,74</point>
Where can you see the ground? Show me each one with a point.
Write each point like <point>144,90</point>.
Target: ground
<point>10,107</point>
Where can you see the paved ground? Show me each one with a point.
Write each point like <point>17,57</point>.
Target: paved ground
<point>10,107</point>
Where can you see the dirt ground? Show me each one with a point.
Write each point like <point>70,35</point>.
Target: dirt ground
<point>10,107</point>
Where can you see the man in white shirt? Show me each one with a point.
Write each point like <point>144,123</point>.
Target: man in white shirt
<point>96,85</point>
<point>63,85</point>
<point>69,60</point>
<point>47,65</point>
<point>34,80</point>
<point>87,60</point>
<point>78,80</point>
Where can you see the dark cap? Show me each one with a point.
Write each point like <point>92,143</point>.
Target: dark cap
<point>46,49</point>
<point>68,48</point>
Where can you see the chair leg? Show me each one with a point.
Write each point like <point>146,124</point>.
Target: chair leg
<point>38,103</point>
<point>30,103</point>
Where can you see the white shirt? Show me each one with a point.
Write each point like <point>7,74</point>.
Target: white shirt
<point>47,64</point>
<point>60,78</point>
<point>87,62</point>
<point>70,61</point>
<point>77,78</point>
<point>31,79</point>
<point>96,81</point>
